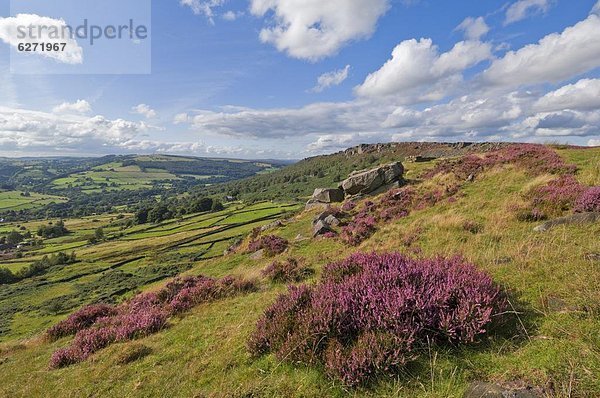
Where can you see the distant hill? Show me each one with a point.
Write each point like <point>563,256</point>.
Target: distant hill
<point>297,181</point>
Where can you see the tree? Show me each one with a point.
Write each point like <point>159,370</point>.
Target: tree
<point>99,234</point>
<point>14,238</point>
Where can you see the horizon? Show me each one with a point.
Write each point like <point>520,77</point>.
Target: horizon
<point>246,80</point>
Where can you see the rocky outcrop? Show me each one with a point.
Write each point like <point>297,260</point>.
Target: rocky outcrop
<point>369,181</point>
<point>324,223</point>
<point>324,196</point>
<point>580,218</point>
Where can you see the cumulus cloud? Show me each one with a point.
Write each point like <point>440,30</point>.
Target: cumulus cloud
<point>331,79</point>
<point>585,94</point>
<point>524,8</point>
<point>44,30</point>
<point>205,8</point>
<point>312,29</point>
<point>417,69</point>
<point>474,28</point>
<point>79,106</point>
<point>555,58</point>
<point>317,118</point>
<point>144,110</point>
<point>27,129</point>
<point>596,9</point>
<point>232,15</point>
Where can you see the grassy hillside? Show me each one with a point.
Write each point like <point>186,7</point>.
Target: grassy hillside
<point>19,200</point>
<point>298,181</point>
<point>550,339</point>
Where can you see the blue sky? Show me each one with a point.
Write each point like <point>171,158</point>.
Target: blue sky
<point>241,78</point>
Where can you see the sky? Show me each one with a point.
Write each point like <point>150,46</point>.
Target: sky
<point>289,79</point>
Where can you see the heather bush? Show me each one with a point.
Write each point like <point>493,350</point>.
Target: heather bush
<point>359,229</point>
<point>349,205</point>
<point>271,244</point>
<point>82,319</point>
<point>371,313</point>
<point>534,159</point>
<point>589,200</point>
<point>558,195</point>
<point>288,271</point>
<point>99,326</point>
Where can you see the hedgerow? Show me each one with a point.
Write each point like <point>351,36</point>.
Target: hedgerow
<point>371,314</point>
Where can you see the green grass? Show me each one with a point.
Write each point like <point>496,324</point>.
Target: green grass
<point>113,176</point>
<point>15,200</point>
<point>204,353</point>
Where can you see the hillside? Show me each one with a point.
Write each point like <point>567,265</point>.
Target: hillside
<point>109,181</point>
<point>473,209</point>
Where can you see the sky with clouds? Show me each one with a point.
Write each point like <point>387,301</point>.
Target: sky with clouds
<point>296,78</point>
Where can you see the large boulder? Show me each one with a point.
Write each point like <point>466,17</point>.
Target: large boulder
<point>328,195</point>
<point>321,228</point>
<point>365,182</point>
<point>322,197</point>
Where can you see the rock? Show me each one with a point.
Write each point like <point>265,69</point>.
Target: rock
<point>321,228</point>
<point>273,225</point>
<point>328,195</point>
<point>580,218</point>
<point>365,182</point>
<point>488,390</point>
<point>332,221</point>
<point>471,178</point>
<point>594,257</point>
<point>311,204</point>
<point>259,255</point>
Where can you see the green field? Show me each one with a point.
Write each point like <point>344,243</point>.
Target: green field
<point>16,200</point>
<point>113,176</point>
<point>129,259</point>
<point>551,341</point>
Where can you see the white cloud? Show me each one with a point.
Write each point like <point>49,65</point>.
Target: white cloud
<point>314,29</point>
<point>26,129</point>
<point>79,106</point>
<point>180,118</point>
<point>474,28</point>
<point>317,118</point>
<point>564,123</point>
<point>144,110</point>
<point>418,69</point>
<point>555,58</point>
<point>232,15</point>
<point>44,31</point>
<point>203,7</point>
<point>331,79</point>
<point>585,94</point>
<point>594,142</point>
<point>596,9</point>
<point>524,8</point>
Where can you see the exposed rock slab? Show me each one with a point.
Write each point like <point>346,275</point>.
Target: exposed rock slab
<point>580,218</point>
<point>365,182</point>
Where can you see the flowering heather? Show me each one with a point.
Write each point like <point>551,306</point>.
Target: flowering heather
<point>288,271</point>
<point>349,205</point>
<point>371,313</point>
<point>558,195</point>
<point>589,200</point>
<point>359,229</point>
<point>533,158</point>
<point>82,319</point>
<point>99,326</point>
<point>271,244</point>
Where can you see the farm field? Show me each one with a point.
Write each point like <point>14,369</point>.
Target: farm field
<point>113,176</point>
<point>17,200</point>
<point>127,261</point>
